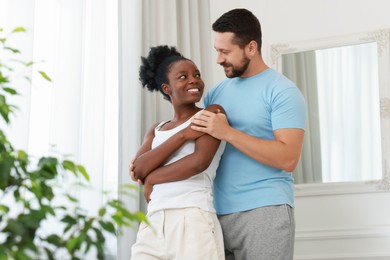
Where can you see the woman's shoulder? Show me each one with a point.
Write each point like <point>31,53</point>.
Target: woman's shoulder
<point>215,108</point>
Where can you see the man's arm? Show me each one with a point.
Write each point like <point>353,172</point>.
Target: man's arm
<point>282,153</point>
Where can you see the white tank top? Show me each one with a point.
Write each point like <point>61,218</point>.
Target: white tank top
<point>196,191</point>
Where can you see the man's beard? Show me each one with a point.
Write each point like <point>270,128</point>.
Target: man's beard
<point>237,72</point>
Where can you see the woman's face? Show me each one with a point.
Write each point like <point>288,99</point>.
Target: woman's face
<point>185,83</point>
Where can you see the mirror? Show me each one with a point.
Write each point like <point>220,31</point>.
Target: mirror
<point>345,81</point>
<point>340,86</point>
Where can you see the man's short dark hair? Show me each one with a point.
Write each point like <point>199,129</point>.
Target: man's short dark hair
<point>245,26</point>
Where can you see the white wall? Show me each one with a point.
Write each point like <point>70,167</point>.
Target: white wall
<point>343,226</point>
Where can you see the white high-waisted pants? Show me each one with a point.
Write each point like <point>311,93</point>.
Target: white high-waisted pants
<point>177,234</point>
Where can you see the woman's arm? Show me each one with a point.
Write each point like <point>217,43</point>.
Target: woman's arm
<point>147,159</point>
<point>188,166</point>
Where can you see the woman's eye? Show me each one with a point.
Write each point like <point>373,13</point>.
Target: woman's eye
<point>198,76</point>
<point>182,77</point>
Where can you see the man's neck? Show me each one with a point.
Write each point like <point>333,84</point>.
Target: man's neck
<point>255,67</point>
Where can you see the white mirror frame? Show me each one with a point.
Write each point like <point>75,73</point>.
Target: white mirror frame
<point>382,38</point>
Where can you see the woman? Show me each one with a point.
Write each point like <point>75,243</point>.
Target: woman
<point>177,166</point>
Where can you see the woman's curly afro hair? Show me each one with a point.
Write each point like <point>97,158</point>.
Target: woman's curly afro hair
<point>154,68</point>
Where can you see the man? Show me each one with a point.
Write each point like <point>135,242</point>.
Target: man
<point>264,131</point>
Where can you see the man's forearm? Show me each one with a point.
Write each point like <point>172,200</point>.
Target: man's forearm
<point>282,153</point>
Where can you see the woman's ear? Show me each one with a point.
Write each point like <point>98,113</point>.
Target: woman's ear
<point>166,89</point>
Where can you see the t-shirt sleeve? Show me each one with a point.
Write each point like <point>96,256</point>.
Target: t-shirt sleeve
<point>289,109</point>
<point>206,99</point>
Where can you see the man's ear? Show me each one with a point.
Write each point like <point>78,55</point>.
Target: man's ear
<point>252,47</point>
<point>166,89</point>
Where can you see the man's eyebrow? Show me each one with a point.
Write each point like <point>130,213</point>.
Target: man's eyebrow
<point>222,49</point>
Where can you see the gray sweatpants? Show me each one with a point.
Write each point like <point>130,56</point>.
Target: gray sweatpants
<point>265,233</point>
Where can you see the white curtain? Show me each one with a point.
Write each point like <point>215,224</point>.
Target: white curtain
<point>95,109</point>
<point>77,113</point>
<point>181,23</point>
<point>12,16</point>
<point>130,120</point>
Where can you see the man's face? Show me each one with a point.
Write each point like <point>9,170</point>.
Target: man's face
<point>231,57</point>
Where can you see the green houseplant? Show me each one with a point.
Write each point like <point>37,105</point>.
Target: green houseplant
<point>29,197</point>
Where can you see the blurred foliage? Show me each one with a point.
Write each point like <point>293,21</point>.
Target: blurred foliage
<point>32,196</point>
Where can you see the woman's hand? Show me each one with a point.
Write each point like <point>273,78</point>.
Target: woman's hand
<point>132,173</point>
<point>148,188</point>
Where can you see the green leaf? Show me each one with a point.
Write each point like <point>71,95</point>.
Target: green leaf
<point>81,238</point>
<point>19,29</point>
<point>22,157</point>
<point>20,255</point>
<point>114,203</point>
<point>48,166</point>
<point>99,236</point>
<point>49,254</point>
<point>47,190</point>
<point>69,219</point>
<point>108,226</point>
<point>3,256</point>
<point>36,190</point>
<point>69,165</point>
<point>102,211</point>
<point>82,170</point>
<point>5,109</point>
<point>10,91</point>
<point>88,224</point>
<point>44,75</point>
<point>6,165</point>
<point>54,239</point>
<point>141,217</point>
<point>48,210</point>
<point>71,198</point>
<point>4,208</point>
<point>118,219</point>
<point>71,244</point>
<point>3,79</point>
<point>67,228</point>
<point>15,227</point>
<point>12,49</point>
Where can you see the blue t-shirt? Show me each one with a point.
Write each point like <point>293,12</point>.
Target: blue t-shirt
<point>257,105</point>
